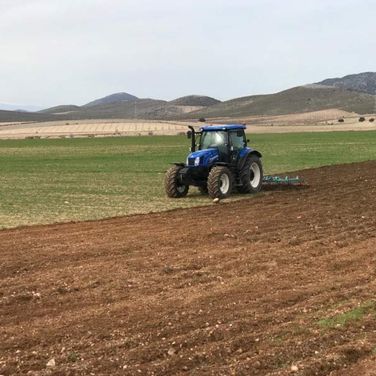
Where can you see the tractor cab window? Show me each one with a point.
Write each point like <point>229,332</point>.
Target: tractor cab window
<point>213,139</point>
<point>237,140</point>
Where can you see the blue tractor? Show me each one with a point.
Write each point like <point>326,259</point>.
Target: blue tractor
<point>218,163</point>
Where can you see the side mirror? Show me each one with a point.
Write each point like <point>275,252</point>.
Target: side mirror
<point>189,135</point>
<point>247,140</point>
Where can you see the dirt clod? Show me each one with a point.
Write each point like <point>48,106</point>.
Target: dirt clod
<point>51,363</point>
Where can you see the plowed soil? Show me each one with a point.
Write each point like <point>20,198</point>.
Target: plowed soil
<point>281,283</point>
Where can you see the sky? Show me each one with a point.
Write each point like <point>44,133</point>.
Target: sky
<point>73,51</point>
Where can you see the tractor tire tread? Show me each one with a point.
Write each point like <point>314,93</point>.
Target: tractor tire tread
<point>214,182</point>
<point>171,183</point>
<point>246,186</point>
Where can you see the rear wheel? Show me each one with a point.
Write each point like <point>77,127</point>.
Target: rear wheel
<point>173,187</point>
<point>251,175</point>
<point>219,182</point>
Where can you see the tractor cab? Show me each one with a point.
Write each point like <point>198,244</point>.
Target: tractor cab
<point>217,143</point>
<point>220,160</point>
<point>229,141</point>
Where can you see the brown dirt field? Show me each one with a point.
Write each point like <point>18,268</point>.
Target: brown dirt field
<point>227,289</point>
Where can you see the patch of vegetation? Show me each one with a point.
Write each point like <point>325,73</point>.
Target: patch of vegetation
<point>73,357</point>
<point>355,314</point>
<point>46,181</point>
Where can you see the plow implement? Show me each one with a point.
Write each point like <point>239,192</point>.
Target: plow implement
<point>272,180</point>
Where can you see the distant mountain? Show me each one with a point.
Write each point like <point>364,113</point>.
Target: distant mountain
<point>134,109</point>
<point>16,116</point>
<point>299,99</point>
<point>61,109</point>
<point>195,100</point>
<point>19,107</point>
<point>362,82</point>
<point>353,93</point>
<point>113,98</point>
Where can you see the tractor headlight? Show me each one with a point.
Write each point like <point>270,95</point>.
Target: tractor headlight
<point>197,161</point>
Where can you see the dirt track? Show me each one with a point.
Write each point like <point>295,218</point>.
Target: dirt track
<point>229,289</point>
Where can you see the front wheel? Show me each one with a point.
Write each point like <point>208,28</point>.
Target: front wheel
<point>173,187</point>
<point>219,182</point>
<point>251,175</point>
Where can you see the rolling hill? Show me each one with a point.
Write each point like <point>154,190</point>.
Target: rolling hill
<point>14,116</point>
<point>113,98</point>
<point>353,93</point>
<point>299,99</point>
<point>195,100</point>
<point>61,109</point>
<point>362,82</point>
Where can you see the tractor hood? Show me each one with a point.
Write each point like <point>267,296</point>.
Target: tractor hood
<point>204,157</point>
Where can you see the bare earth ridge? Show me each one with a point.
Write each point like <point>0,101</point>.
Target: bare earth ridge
<point>242,288</point>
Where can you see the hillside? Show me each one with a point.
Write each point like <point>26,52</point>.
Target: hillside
<point>353,93</point>
<point>195,100</point>
<point>113,98</point>
<point>299,99</point>
<point>296,100</point>
<point>60,109</point>
<point>14,116</point>
<point>362,82</point>
<point>139,108</point>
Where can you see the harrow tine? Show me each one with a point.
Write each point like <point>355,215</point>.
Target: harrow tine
<point>286,180</point>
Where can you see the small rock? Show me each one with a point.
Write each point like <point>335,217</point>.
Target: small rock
<point>36,295</point>
<point>257,364</point>
<point>171,351</point>
<point>51,363</point>
<point>294,368</point>
<point>216,200</point>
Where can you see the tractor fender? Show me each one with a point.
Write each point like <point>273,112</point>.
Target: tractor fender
<point>220,164</point>
<point>178,164</point>
<point>245,156</point>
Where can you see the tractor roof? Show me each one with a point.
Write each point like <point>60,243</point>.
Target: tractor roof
<point>222,127</point>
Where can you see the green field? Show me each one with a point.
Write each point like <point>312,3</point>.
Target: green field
<point>47,181</point>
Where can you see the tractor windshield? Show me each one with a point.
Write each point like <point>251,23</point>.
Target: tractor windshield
<point>213,139</point>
